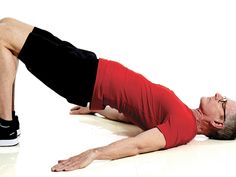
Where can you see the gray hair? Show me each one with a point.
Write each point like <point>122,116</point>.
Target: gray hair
<point>229,130</point>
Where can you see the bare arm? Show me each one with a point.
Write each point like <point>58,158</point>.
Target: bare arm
<point>150,140</point>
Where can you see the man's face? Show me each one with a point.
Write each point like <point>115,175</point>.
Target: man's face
<point>213,107</point>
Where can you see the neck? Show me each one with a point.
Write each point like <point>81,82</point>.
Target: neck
<point>201,124</point>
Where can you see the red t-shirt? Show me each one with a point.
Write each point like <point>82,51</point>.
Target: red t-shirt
<point>144,103</point>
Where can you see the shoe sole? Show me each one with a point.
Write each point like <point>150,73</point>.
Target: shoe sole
<point>6,143</point>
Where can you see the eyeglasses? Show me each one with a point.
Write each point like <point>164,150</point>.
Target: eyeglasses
<point>223,101</point>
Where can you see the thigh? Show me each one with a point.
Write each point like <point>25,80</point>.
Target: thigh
<point>13,34</point>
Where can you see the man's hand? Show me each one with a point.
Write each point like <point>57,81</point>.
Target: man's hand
<point>77,162</point>
<point>108,112</point>
<point>80,110</point>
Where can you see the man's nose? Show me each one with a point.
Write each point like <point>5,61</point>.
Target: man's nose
<point>218,96</point>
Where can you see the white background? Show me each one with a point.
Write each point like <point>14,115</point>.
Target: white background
<point>188,46</point>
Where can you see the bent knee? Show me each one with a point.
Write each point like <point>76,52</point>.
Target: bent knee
<point>5,27</point>
<point>8,20</point>
<point>13,34</point>
<point>6,32</point>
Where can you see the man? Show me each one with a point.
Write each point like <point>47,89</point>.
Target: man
<point>166,121</point>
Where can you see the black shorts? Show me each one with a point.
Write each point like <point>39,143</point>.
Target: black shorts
<point>69,71</point>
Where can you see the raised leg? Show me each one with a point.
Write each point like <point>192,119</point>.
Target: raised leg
<point>13,34</point>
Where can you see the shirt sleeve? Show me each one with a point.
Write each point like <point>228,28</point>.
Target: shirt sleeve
<point>177,131</point>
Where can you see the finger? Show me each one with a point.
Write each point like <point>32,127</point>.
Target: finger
<point>55,168</point>
<point>72,166</point>
<point>75,112</point>
<point>75,108</point>
<point>78,163</point>
<point>62,164</point>
<point>61,161</point>
<point>81,110</point>
<point>59,167</point>
<point>70,163</point>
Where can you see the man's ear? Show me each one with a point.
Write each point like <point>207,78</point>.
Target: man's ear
<point>217,124</point>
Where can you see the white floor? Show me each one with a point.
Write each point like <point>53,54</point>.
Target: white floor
<point>43,143</point>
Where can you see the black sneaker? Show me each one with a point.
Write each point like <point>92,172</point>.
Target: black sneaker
<point>15,122</point>
<point>8,134</point>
